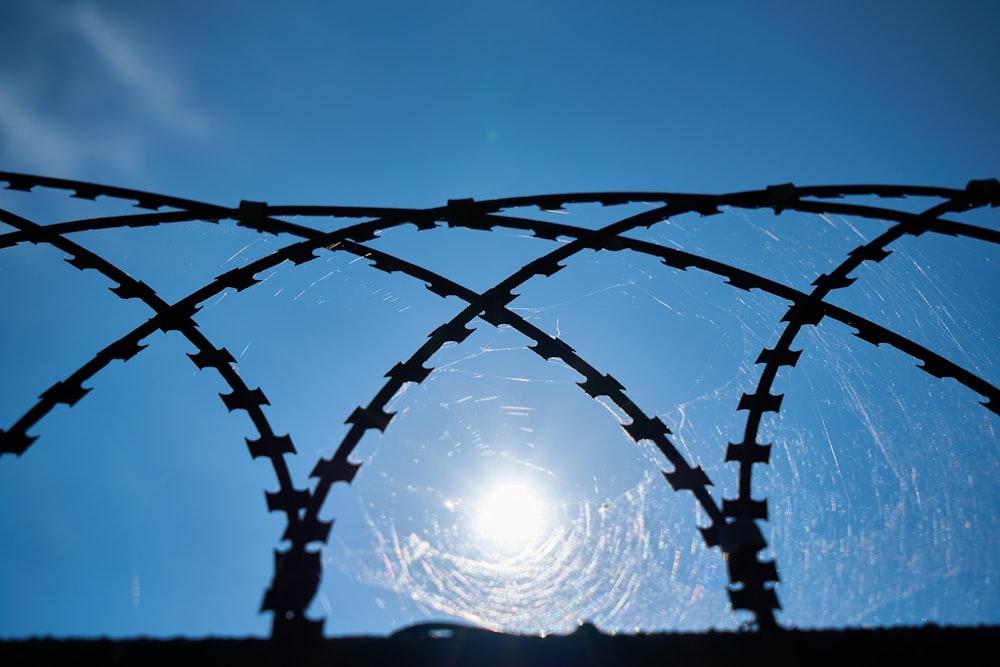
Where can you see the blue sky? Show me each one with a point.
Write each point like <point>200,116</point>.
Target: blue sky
<point>367,94</point>
<point>121,521</point>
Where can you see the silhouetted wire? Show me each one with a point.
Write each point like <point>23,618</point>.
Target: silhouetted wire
<point>733,527</point>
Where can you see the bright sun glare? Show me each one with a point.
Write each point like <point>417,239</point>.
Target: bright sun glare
<point>511,515</point>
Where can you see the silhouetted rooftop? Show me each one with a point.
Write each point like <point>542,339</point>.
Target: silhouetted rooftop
<point>432,645</point>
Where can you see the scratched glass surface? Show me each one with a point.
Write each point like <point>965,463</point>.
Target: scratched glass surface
<point>500,494</point>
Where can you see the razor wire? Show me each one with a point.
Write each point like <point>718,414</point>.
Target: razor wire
<point>732,526</point>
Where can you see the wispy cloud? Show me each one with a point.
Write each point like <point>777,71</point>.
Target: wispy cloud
<point>99,98</point>
<point>36,140</point>
<point>31,139</point>
<point>151,85</point>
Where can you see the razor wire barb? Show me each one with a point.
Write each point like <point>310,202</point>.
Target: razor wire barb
<point>733,526</point>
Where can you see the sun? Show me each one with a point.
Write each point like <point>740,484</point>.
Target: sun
<point>510,516</point>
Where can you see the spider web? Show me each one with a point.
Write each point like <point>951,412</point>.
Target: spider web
<point>879,487</point>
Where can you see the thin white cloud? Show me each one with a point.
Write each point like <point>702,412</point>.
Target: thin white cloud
<point>150,83</point>
<point>31,140</point>
<point>96,100</point>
